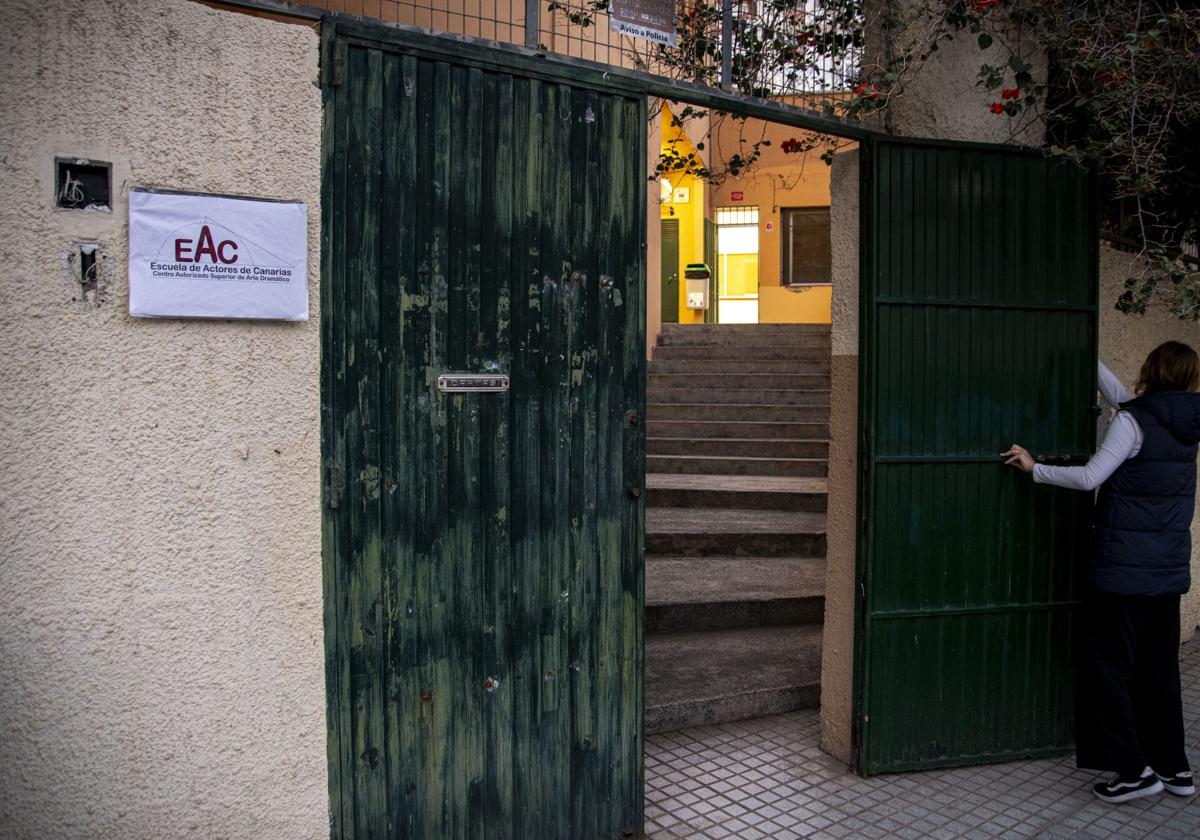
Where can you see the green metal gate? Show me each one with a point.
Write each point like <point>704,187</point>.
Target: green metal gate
<point>483,550</point>
<point>979,329</point>
<point>669,230</point>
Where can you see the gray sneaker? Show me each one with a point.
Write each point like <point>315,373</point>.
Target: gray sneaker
<point>1181,784</point>
<point>1122,789</point>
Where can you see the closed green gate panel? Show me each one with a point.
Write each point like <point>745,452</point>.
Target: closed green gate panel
<point>669,258</point>
<point>710,259</point>
<point>483,571</point>
<point>980,331</point>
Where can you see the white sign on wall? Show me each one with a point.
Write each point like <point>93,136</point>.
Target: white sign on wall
<point>653,20</point>
<point>208,256</point>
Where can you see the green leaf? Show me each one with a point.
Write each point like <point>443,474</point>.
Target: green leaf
<point>985,40</point>
<point>1019,65</point>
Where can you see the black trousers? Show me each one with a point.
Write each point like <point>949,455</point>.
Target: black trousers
<point>1128,710</point>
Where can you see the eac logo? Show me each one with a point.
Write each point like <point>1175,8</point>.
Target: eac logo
<point>216,252</point>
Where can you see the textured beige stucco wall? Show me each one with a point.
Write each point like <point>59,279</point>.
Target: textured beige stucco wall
<point>161,666</point>
<point>837,656</point>
<point>942,98</point>
<point>1125,341</point>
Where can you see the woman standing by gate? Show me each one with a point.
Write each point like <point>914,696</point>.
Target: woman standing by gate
<point>1129,714</point>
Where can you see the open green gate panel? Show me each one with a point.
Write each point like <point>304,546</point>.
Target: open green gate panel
<point>483,551</point>
<point>979,331</point>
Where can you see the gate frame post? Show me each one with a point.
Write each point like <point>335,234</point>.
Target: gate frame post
<point>533,13</point>
<point>727,45</point>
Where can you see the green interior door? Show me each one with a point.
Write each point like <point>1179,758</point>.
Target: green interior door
<point>980,331</point>
<point>711,316</point>
<point>482,550</point>
<point>670,270</point>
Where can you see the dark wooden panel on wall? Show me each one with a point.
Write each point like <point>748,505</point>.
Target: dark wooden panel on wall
<point>980,330</point>
<point>483,551</point>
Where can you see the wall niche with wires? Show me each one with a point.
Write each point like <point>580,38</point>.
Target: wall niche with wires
<point>89,272</point>
<point>82,184</point>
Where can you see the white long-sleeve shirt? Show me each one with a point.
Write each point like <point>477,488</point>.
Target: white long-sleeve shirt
<point>1122,441</point>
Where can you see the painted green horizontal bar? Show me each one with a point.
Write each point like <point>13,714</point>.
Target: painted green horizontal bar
<point>986,304</point>
<point>870,768</point>
<point>963,459</point>
<point>952,611</point>
<point>1031,152</point>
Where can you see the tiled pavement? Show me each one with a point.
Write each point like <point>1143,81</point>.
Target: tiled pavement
<point>767,778</point>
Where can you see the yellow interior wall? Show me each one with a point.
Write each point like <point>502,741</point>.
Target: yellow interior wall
<point>690,215</point>
<point>781,305</point>
<point>777,180</point>
<point>739,274</point>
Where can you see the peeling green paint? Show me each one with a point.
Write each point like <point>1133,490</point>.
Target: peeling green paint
<point>484,580</point>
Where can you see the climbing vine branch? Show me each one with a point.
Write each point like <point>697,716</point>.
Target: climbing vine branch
<point>1113,85</point>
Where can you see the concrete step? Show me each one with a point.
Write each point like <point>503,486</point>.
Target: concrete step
<point>716,593</point>
<point>707,367</point>
<point>745,492</point>
<point>736,429</point>
<point>694,532</point>
<point>716,352</point>
<point>745,329</point>
<point>759,413</point>
<point>722,675</point>
<point>748,447</point>
<point>760,396</point>
<point>736,465</point>
<point>741,342</point>
<point>739,381</point>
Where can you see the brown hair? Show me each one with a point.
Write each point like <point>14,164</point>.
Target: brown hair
<point>1171,366</point>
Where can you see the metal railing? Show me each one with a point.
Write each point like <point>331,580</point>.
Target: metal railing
<point>490,20</point>
<point>808,52</point>
<point>800,49</point>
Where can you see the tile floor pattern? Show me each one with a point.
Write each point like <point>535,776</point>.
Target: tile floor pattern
<point>767,778</point>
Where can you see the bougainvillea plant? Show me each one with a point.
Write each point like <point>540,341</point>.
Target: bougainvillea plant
<point>780,47</point>
<point>1110,84</point>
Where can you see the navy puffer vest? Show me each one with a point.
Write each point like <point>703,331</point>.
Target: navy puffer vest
<point>1144,511</point>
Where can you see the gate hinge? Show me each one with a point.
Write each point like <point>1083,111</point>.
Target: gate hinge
<point>337,71</point>
<point>335,486</point>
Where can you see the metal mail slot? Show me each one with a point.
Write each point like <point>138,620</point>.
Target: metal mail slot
<point>457,383</point>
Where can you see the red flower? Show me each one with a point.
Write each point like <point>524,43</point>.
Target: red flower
<point>870,91</point>
<point>1010,93</point>
<point>997,108</point>
<point>982,6</point>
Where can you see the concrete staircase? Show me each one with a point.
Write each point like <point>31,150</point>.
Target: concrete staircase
<point>737,452</point>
